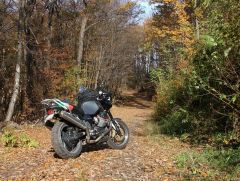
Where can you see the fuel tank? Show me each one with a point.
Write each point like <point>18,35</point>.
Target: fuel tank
<point>90,107</point>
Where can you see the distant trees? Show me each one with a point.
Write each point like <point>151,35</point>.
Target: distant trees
<point>169,38</point>
<point>59,45</point>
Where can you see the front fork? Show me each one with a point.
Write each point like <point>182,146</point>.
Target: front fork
<point>115,124</point>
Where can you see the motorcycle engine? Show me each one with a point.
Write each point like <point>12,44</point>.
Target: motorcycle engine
<point>101,121</point>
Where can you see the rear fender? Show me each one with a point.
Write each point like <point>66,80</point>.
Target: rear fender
<point>48,121</point>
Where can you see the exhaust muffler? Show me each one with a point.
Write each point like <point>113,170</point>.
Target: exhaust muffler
<point>75,121</point>
<point>80,124</point>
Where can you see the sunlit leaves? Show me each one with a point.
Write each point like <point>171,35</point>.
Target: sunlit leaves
<point>171,30</point>
<point>208,40</point>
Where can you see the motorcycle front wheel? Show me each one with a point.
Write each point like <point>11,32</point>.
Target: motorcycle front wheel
<point>118,136</point>
<point>63,141</point>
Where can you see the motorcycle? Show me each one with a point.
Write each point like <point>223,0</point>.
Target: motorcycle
<point>89,122</point>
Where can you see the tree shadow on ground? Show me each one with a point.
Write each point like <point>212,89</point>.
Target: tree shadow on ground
<point>135,100</point>
<point>95,147</point>
<point>86,149</point>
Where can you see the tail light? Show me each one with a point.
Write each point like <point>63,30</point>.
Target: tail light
<point>70,107</point>
<point>50,111</point>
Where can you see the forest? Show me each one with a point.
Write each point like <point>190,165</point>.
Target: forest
<point>185,58</point>
<point>87,42</point>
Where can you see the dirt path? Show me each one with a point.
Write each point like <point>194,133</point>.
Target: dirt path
<point>143,159</point>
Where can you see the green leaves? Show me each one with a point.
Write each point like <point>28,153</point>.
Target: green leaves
<point>208,40</point>
<point>209,94</point>
<point>234,98</point>
<point>11,139</point>
<point>223,96</point>
<point>206,3</point>
<point>27,141</point>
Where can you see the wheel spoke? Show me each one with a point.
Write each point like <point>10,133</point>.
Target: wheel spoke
<point>120,136</point>
<point>68,139</point>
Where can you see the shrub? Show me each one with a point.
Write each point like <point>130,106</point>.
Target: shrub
<point>26,141</point>
<point>11,139</point>
<point>208,90</point>
<point>176,123</point>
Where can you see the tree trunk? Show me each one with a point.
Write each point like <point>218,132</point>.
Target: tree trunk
<point>197,22</point>
<point>30,65</point>
<point>197,29</point>
<point>18,68</point>
<point>98,67</point>
<point>80,41</point>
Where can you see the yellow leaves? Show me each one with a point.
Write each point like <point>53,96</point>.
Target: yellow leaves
<point>126,7</point>
<point>198,13</point>
<point>173,26</point>
<point>168,1</point>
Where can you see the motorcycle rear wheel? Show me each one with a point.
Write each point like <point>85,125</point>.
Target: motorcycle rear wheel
<point>119,140</point>
<point>60,146</point>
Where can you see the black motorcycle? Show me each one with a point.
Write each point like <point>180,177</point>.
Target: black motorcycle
<point>90,121</point>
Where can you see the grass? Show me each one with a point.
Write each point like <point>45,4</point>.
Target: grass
<point>221,161</point>
<point>210,164</point>
<point>152,128</point>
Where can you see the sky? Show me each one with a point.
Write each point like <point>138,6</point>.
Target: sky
<point>147,8</point>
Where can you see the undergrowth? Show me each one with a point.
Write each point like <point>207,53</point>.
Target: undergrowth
<point>210,164</point>
<point>10,138</point>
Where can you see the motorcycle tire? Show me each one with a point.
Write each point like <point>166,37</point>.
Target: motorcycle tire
<point>59,145</point>
<point>112,141</point>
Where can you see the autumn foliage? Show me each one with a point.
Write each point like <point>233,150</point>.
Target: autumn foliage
<point>52,38</point>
